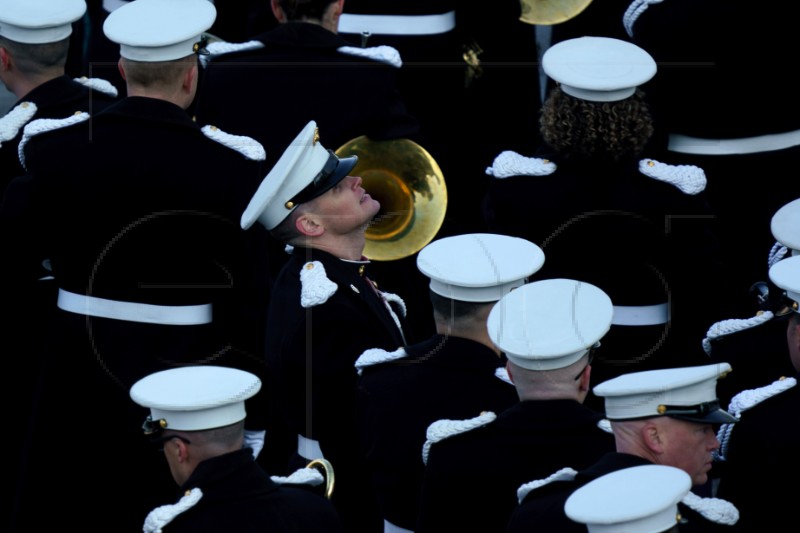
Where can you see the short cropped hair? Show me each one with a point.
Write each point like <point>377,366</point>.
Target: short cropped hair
<point>449,309</point>
<point>32,58</point>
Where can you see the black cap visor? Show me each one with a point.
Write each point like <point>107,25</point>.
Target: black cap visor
<point>334,171</point>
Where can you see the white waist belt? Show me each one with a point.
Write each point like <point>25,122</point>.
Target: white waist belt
<point>111,5</point>
<point>640,315</point>
<point>173,315</point>
<point>398,24</point>
<point>308,448</point>
<point>388,527</point>
<point>745,145</point>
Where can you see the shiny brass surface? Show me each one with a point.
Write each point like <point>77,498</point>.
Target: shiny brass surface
<point>408,183</point>
<point>546,12</point>
<point>326,469</point>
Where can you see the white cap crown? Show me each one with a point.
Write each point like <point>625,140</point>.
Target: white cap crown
<point>598,69</point>
<point>688,393</point>
<point>195,398</point>
<point>39,21</point>
<point>478,267</point>
<point>640,499</point>
<point>159,30</point>
<point>550,324</point>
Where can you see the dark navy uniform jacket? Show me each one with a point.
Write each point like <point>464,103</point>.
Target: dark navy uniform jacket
<point>543,508</point>
<point>311,353</point>
<point>135,205</point>
<point>642,240</point>
<point>471,479</point>
<point>759,463</point>
<point>271,92</point>
<point>239,496</point>
<point>703,90</point>
<point>443,377</point>
<point>57,98</point>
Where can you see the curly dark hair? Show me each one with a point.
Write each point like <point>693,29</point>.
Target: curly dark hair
<point>580,129</point>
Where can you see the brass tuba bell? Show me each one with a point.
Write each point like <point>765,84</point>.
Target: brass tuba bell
<point>324,467</point>
<point>410,187</point>
<point>546,12</point>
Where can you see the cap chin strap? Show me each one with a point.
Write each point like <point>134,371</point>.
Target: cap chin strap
<point>698,410</point>
<point>318,184</point>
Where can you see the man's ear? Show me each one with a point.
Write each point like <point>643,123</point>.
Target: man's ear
<point>510,373</point>
<point>5,59</point>
<point>188,79</point>
<point>586,378</point>
<point>121,68</point>
<point>277,11</point>
<point>308,226</point>
<point>182,451</point>
<point>653,437</point>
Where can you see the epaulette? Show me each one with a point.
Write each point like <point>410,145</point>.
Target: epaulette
<point>43,125</point>
<point>377,356</point>
<point>316,288</point>
<point>501,373</point>
<point>636,8</point>
<point>254,439</point>
<point>712,509</point>
<point>605,425</point>
<point>443,429</point>
<point>744,401</point>
<point>748,399</point>
<point>218,48</point>
<point>509,164</point>
<point>14,120</point>
<point>733,325</point>
<point>303,476</point>
<point>565,474</point>
<point>383,53</point>
<point>776,253</point>
<point>247,146</point>
<point>99,85</point>
<point>689,179</point>
<point>161,516</point>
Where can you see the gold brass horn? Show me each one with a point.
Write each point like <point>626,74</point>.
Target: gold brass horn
<point>326,469</point>
<point>410,187</point>
<point>546,12</point>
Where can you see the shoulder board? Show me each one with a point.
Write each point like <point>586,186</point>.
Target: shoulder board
<point>712,509</point>
<point>443,429</point>
<point>510,163</point>
<point>748,399</point>
<point>99,85</point>
<point>377,356</point>
<point>218,48</point>
<point>745,401</point>
<point>605,425</point>
<point>14,120</point>
<point>303,476</point>
<point>316,288</point>
<point>776,253</point>
<point>502,374</point>
<point>689,179</point>
<point>384,54</point>
<point>161,516</point>
<point>565,474</point>
<point>247,146</point>
<point>43,125</point>
<point>636,8</point>
<point>733,325</point>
